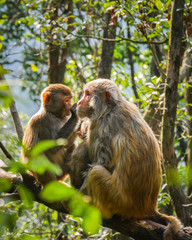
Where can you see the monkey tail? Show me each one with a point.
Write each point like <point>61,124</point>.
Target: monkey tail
<point>173,224</point>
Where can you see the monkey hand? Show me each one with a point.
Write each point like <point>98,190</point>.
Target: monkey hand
<point>74,109</point>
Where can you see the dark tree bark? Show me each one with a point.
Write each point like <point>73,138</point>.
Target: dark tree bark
<point>105,64</point>
<point>57,53</point>
<point>189,112</point>
<point>169,115</point>
<point>187,75</point>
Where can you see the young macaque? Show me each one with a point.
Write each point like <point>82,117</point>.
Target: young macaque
<point>125,175</point>
<point>55,119</point>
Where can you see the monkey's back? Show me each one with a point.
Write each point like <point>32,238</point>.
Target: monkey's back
<point>45,126</point>
<point>132,156</point>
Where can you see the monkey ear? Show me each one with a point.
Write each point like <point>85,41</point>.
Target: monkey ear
<point>46,97</point>
<point>107,97</point>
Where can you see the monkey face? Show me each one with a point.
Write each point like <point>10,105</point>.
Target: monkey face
<point>67,104</point>
<point>84,108</point>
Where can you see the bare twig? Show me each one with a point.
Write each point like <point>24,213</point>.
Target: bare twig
<point>119,39</point>
<point>16,120</point>
<point>7,154</point>
<point>156,59</point>
<point>15,115</point>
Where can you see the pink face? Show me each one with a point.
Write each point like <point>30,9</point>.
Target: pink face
<point>83,104</point>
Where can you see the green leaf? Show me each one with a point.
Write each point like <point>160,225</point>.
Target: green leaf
<point>30,21</point>
<point>38,38</point>
<point>26,196</point>
<point>56,191</point>
<point>34,68</point>
<point>2,21</point>
<point>8,219</point>
<point>2,1</point>
<point>5,185</point>
<point>1,38</point>
<point>4,16</point>
<point>45,145</point>
<point>40,164</point>
<point>1,45</point>
<point>28,237</point>
<point>5,93</point>
<point>78,204</point>
<point>159,4</point>
<point>17,167</point>
<point>76,1</point>
<point>109,4</point>
<point>91,220</point>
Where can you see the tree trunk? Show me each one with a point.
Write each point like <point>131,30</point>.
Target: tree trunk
<point>57,53</point>
<point>169,115</point>
<point>105,64</point>
<point>189,113</point>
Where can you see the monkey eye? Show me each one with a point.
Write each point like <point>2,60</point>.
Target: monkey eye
<point>87,93</point>
<point>68,99</point>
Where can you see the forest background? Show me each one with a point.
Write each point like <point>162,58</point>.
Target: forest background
<point>143,46</point>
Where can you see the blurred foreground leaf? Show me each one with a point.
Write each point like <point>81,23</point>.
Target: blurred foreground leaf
<point>26,196</point>
<point>8,219</point>
<point>77,203</point>
<point>5,94</point>
<point>91,216</point>
<point>5,185</point>
<point>41,164</point>
<point>56,191</point>
<point>45,145</point>
<point>28,237</point>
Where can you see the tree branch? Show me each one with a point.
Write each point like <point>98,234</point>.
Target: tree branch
<point>169,114</point>
<point>16,120</point>
<point>7,154</point>
<point>14,114</point>
<point>118,39</point>
<point>144,229</point>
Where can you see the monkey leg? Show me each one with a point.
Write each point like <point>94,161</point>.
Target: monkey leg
<point>103,192</point>
<point>46,177</point>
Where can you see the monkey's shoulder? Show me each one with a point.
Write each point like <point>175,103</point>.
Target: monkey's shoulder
<point>37,119</point>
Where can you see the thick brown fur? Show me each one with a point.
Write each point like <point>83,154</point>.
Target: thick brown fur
<point>80,161</point>
<point>49,123</point>
<point>126,175</point>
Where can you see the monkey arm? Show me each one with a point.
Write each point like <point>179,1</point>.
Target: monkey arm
<point>79,166</point>
<point>67,132</point>
<point>31,134</point>
<point>69,127</point>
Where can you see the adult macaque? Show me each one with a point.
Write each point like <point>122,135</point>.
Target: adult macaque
<point>80,162</point>
<point>126,175</point>
<point>55,119</point>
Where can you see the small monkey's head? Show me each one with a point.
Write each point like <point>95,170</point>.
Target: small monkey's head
<point>99,97</point>
<point>56,98</point>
